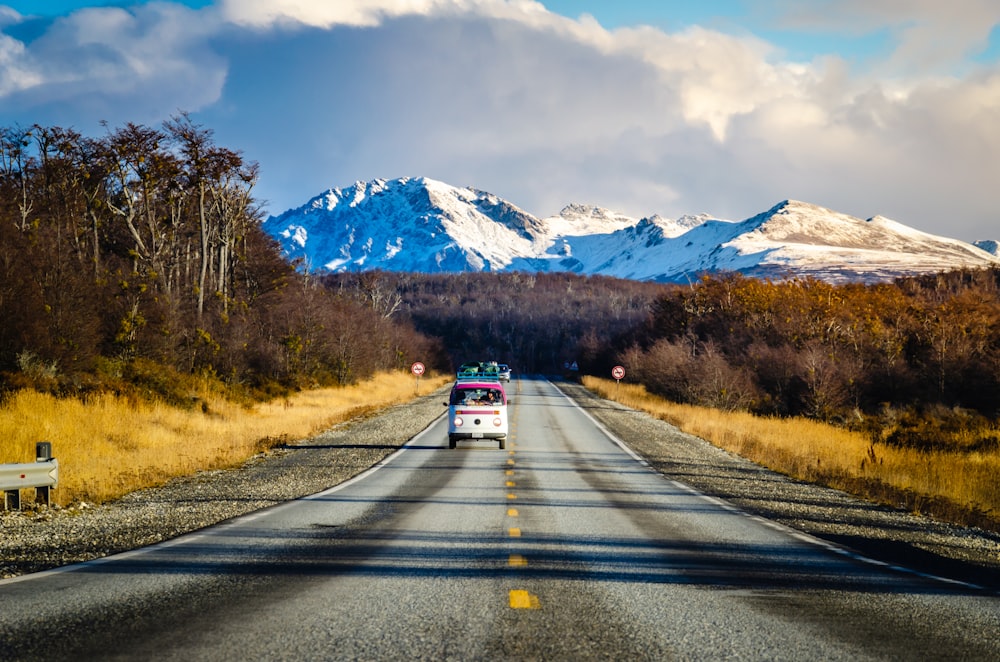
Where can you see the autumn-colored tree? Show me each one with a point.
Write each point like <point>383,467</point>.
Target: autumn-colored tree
<point>827,350</point>
<point>144,247</point>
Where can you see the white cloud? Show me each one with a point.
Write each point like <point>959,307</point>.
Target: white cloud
<point>927,34</point>
<point>361,13</point>
<point>104,63</point>
<point>532,106</point>
<point>15,70</point>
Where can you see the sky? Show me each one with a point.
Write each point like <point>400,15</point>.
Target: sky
<point>725,107</point>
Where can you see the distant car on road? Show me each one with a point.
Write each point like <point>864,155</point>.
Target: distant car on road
<point>477,410</point>
<point>503,372</point>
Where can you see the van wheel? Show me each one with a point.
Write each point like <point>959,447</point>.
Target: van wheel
<point>452,442</point>
<point>503,443</point>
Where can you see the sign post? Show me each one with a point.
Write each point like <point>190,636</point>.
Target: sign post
<point>417,369</point>
<point>618,372</point>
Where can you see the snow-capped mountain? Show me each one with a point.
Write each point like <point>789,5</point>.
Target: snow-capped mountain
<point>427,226</point>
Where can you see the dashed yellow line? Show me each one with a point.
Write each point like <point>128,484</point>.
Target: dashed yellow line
<point>520,599</point>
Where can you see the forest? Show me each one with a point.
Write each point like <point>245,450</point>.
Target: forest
<point>918,355</point>
<point>536,322</point>
<point>805,347</point>
<point>130,261</point>
<point>133,260</point>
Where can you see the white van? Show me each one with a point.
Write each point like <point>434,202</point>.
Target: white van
<point>477,410</point>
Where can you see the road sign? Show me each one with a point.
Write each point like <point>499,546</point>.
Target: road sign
<point>417,368</point>
<point>618,372</point>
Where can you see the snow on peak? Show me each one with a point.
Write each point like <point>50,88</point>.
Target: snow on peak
<point>679,226</point>
<point>578,220</point>
<point>424,225</point>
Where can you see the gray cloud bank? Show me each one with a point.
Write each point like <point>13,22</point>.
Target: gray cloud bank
<point>541,109</point>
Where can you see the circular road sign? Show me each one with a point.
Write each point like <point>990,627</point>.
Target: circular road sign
<point>618,372</point>
<point>417,368</point>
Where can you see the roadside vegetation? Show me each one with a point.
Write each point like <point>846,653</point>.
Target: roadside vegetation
<point>109,445</point>
<point>150,327</point>
<point>920,355</point>
<point>954,482</point>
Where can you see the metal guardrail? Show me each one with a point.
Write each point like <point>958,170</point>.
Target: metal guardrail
<point>42,475</point>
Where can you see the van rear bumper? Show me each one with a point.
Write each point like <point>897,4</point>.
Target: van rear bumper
<point>477,435</point>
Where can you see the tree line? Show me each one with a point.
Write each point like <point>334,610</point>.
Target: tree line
<point>806,347</point>
<point>914,355</point>
<point>140,253</point>
<point>535,322</point>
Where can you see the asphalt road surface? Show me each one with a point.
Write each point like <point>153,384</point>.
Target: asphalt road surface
<point>562,547</point>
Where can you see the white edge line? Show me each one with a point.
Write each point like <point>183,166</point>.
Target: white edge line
<point>794,533</point>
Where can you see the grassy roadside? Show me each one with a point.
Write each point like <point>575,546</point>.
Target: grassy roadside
<point>110,446</point>
<point>959,487</point>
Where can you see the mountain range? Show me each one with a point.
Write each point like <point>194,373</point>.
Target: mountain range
<point>423,225</point>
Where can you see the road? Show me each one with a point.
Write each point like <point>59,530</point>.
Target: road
<point>562,547</point>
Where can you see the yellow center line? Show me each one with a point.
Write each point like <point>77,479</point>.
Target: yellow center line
<point>510,462</point>
<point>512,512</point>
<point>510,483</point>
<point>511,496</point>
<point>520,599</point>
<point>510,472</point>
<point>516,560</point>
<point>514,532</point>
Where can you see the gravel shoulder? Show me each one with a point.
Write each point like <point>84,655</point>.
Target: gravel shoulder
<point>893,536</point>
<point>31,541</point>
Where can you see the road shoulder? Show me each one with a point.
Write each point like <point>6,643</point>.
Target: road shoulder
<point>892,536</point>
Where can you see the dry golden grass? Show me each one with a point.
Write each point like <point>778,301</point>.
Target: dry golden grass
<point>110,446</point>
<point>956,486</point>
